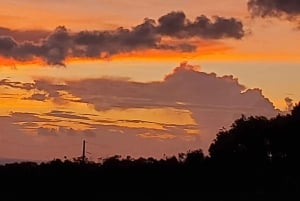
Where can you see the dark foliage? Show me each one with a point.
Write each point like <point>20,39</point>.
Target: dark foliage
<point>257,159</point>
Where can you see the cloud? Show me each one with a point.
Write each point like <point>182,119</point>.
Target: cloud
<point>158,136</point>
<point>24,35</point>
<point>46,141</point>
<point>66,114</point>
<point>55,47</point>
<point>209,101</point>
<point>107,43</point>
<point>26,117</point>
<point>48,91</point>
<point>175,24</point>
<point>185,85</point>
<point>288,9</point>
<point>37,97</point>
<point>53,50</point>
<point>213,101</point>
<point>17,85</point>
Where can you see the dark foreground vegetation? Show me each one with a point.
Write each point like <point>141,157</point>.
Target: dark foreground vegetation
<point>257,159</point>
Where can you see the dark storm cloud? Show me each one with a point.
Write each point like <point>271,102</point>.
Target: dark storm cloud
<point>275,8</point>
<point>176,24</point>
<point>55,47</point>
<point>107,43</point>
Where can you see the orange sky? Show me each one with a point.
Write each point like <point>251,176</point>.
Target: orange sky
<point>116,94</point>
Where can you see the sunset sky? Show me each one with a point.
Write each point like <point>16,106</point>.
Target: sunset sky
<point>140,78</point>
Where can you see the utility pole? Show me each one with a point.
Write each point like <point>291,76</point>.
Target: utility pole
<point>83,152</point>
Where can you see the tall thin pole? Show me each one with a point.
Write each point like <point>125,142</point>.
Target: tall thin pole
<point>83,151</point>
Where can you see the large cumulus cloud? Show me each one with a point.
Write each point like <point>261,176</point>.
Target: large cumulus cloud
<point>210,101</point>
<point>213,101</point>
<point>55,47</point>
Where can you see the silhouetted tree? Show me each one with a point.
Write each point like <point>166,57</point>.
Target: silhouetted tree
<point>246,142</point>
<point>194,158</point>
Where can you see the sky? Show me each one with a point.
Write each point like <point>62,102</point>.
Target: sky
<point>150,78</point>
